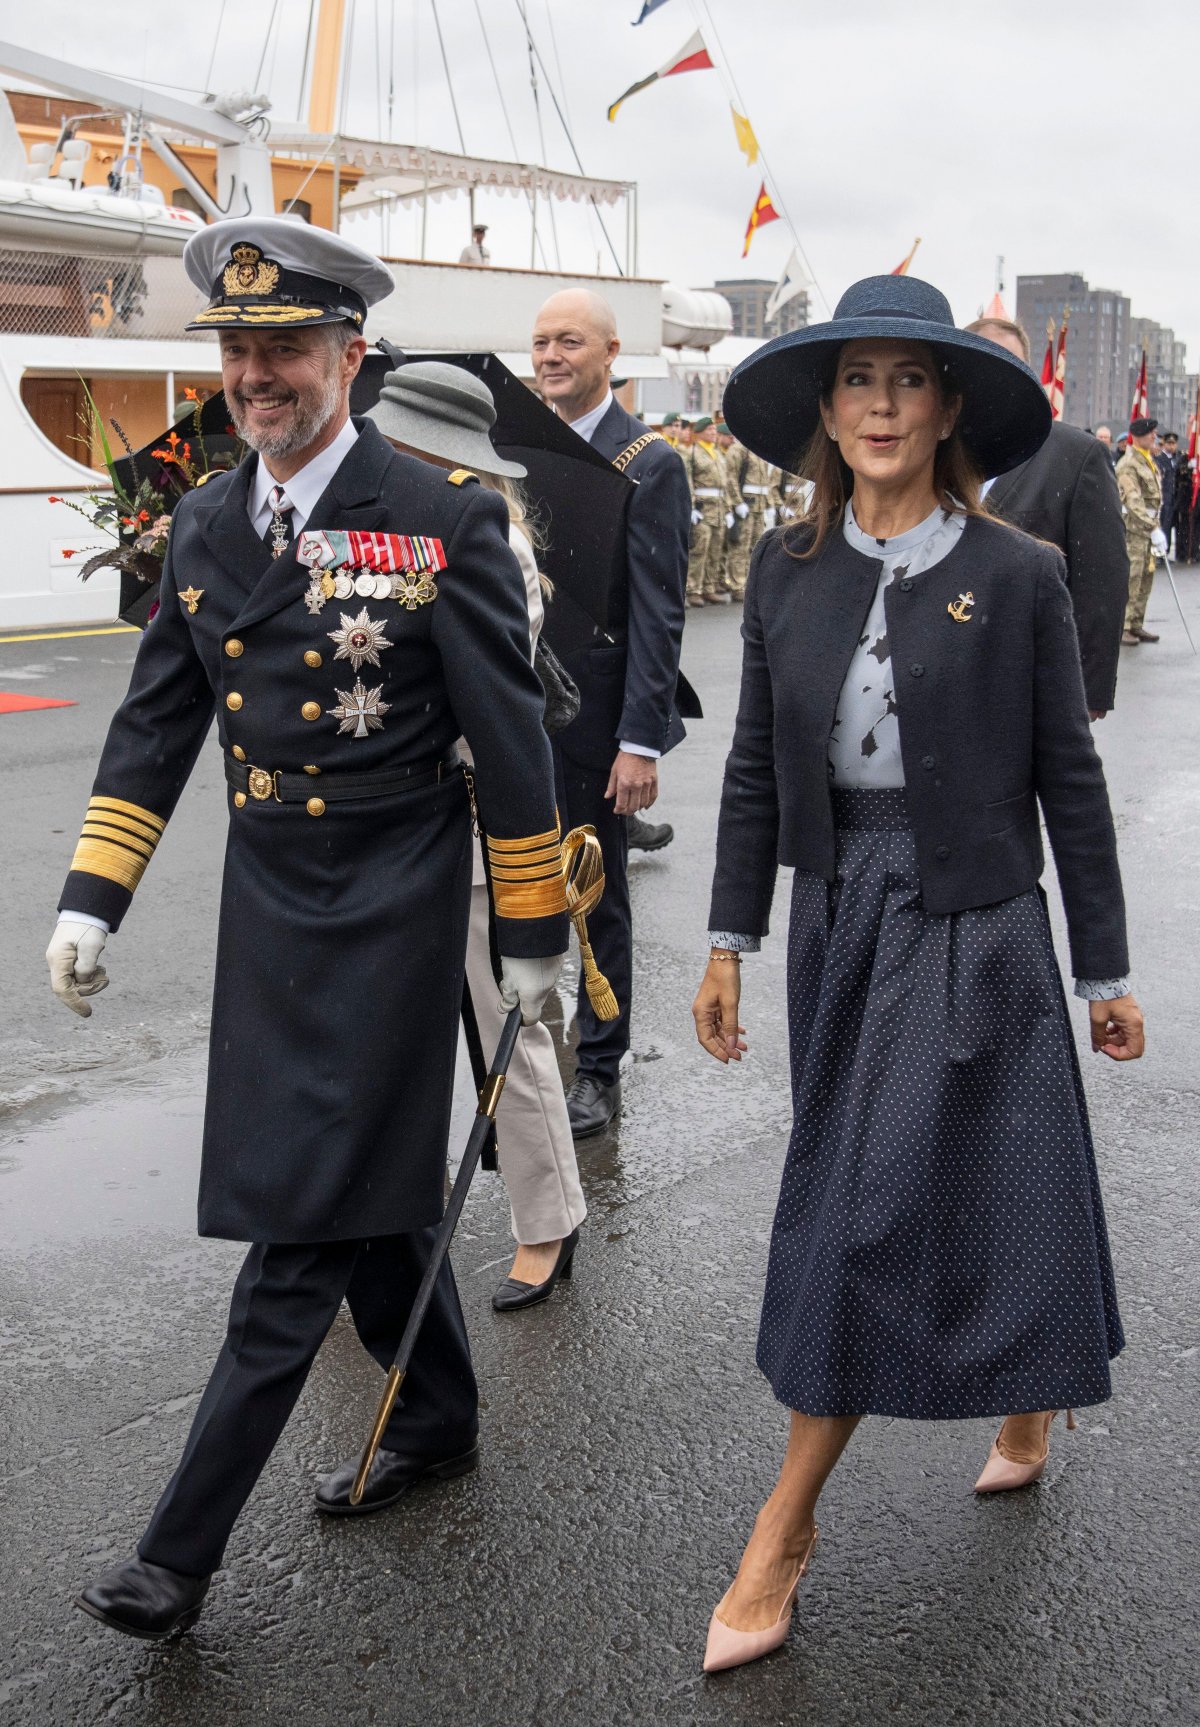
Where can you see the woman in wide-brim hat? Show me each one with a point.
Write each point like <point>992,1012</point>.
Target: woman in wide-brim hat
<point>445,414</point>
<point>911,697</point>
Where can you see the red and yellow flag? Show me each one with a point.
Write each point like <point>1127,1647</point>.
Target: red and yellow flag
<point>764,211</point>
<point>1048,362</point>
<point>902,269</point>
<point>1058,383</point>
<point>1141,407</point>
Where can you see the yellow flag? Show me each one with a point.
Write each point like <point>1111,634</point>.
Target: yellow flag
<point>744,132</point>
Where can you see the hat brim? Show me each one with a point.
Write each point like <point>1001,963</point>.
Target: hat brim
<point>264,316</point>
<point>772,400</point>
<point>432,437</point>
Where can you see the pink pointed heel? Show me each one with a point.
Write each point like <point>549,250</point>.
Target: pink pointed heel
<point>729,1648</point>
<point>1001,1474</point>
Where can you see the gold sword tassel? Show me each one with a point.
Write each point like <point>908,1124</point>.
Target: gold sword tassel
<point>583,878</point>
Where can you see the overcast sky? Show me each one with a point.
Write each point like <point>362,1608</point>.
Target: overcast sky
<point>1041,131</point>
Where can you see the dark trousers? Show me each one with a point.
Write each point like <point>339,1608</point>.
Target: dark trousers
<point>284,1301</point>
<point>602,1043</point>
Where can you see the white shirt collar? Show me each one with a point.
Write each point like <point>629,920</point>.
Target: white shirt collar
<point>587,425</point>
<point>304,488</point>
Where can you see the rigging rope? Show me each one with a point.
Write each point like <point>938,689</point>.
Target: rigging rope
<point>212,59</point>
<point>512,137</point>
<point>262,59</point>
<point>570,140</point>
<point>726,71</point>
<point>446,67</point>
<point>537,108</point>
<point>308,40</point>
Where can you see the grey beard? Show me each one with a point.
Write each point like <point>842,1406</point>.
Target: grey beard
<point>310,420</point>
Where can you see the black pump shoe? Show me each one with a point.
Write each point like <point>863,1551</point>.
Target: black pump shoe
<point>144,1600</point>
<point>512,1294</point>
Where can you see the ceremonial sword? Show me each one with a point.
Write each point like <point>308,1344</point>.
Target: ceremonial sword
<point>481,1129</point>
<point>1171,578</point>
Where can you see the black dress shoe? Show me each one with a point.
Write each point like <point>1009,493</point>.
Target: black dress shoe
<point>144,1600</point>
<point>392,1475</point>
<point>513,1294</point>
<point>590,1105</point>
<point>648,836</point>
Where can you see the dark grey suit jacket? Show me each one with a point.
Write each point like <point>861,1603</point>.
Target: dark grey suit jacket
<point>1067,494</point>
<point>992,720</point>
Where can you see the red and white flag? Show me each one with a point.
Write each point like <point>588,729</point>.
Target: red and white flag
<point>1141,406</point>
<point>1058,380</point>
<point>1048,361</point>
<point>692,57</point>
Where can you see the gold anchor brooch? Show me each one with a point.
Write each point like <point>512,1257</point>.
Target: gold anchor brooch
<point>960,609</point>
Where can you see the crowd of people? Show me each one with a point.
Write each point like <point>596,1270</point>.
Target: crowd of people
<point>934,583</point>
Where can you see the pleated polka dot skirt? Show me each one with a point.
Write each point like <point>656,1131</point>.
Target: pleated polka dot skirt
<point>939,1248</point>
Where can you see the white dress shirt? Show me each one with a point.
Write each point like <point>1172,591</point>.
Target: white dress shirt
<point>304,488</point>
<point>586,427</point>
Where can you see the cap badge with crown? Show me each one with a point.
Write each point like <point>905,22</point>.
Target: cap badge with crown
<point>250,272</point>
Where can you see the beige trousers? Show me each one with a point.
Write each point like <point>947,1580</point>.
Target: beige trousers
<point>533,1134</point>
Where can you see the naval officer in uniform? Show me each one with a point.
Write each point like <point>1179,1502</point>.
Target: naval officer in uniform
<point>347,612</point>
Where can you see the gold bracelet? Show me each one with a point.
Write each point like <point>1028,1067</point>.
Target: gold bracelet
<point>735,957</point>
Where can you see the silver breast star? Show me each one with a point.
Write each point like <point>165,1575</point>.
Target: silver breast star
<point>360,640</point>
<point>360,710</point>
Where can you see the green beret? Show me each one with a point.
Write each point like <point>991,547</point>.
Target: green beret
<point>703,423</point>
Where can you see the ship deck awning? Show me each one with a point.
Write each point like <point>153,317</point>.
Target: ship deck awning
<point>391,174</point>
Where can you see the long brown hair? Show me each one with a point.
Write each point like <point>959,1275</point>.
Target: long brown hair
<point>956,478</point>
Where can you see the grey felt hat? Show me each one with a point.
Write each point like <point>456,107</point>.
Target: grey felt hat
<point>443,411</point>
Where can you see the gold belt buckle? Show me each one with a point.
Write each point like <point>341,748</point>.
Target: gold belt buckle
<point>261,785</point>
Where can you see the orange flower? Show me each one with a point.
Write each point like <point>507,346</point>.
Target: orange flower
<point>173,439</point>
<point>69,553</point>
<point>54,500</point>
<point>187,452</point>
<point>191,395</point>
<point>143,515</point>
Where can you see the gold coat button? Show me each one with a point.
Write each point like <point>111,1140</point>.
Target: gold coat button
<point>239,799</point>
<point>234,648</point>
<point>309,768</point>
<point>312,658</point>
<point>315,806</point>
<point>310,711</point>
<point>233,701</point>
<point>238,753</point>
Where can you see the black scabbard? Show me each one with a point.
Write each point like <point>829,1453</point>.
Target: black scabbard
<point>479,1072</point>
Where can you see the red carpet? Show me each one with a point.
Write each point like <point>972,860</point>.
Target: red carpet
<point>24,704</point>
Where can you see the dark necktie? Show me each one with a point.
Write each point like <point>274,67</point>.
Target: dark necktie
<point>279,534</point>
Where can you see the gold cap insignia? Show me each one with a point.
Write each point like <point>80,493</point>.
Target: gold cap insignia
<point>250,272</point>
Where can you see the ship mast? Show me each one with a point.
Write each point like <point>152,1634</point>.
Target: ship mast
<point>327,66</point>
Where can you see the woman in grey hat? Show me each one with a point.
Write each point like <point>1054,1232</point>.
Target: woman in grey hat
<point>443,414</point>
<point>911,697</point>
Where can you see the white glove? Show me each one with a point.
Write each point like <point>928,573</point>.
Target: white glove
<point>72,955</point>
<point>696,518</point>
<point>770,519</point>
<point>528,982</point>
<point>741,511</point>
<point>729,518</point>
<point>1159,541</point>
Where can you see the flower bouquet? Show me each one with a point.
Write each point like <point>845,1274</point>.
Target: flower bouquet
<point>135,515</point>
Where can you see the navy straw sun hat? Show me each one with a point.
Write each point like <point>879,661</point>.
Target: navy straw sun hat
<point>772,399</point>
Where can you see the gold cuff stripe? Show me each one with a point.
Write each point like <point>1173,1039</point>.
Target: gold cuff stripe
<point>534,872</point>
<point>532,842</point>
<point>530,900</point>
<point>544,857</point>
<point>125,822</point>
<point>114,863</point>
<point>93,830</point>
<point>135,810</point>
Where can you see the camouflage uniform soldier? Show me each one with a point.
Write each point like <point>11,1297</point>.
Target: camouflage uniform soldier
<point>669,428</point>
<point>706,477</point>
<point>1140,486</point>
<point>758,495</point>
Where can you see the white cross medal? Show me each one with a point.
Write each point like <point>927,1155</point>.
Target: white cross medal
<point>360,710</point>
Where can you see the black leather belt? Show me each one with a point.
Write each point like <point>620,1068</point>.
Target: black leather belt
<point>263,784</point>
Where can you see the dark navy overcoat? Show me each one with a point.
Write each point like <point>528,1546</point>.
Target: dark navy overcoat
<point>343,923</point>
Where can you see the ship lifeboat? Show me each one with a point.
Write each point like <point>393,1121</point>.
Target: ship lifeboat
<point>694,317</point>
<point>62,218</point>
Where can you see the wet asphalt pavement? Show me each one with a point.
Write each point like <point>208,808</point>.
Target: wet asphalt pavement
<point>627,1437</point>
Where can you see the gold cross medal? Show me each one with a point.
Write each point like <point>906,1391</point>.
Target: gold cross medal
<point>191,597</point>
<point>961,608</point>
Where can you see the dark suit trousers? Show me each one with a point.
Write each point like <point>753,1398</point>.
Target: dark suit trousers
<point>602,1043</point>
<point>284,1302</point>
